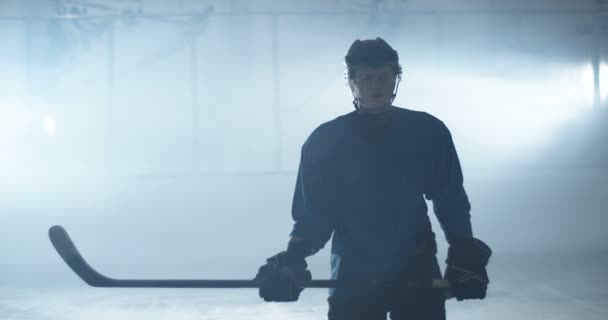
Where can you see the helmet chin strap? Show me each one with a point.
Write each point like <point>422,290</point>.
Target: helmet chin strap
<point>356,102</point>
<point>396,89</point>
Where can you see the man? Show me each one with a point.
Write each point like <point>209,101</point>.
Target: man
<point>363,177</point>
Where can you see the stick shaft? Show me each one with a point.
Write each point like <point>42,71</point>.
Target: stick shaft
<point>235,283</point>
<point>66,248</point>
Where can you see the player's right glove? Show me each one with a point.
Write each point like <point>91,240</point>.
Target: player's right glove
<point>282,276</point>
<point>466,268</point>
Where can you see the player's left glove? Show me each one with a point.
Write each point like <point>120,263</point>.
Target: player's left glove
<point>466,268</point>
<point>283,274</point>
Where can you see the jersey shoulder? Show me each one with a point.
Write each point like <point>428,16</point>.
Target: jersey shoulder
<point>332,129</point>
<point>326,137</point>
<point>419,116</point>
<point>422,121</point>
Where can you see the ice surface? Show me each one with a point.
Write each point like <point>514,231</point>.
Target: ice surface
<point>533,287</point>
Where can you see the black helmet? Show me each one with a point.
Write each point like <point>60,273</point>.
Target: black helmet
<point>373,53</point>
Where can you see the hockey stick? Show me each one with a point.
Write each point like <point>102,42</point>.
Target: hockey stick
<point>68,252</point>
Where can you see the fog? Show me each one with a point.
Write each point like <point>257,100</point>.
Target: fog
<point>166,141</point>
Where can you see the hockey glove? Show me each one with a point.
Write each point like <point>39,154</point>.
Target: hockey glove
<point>466,268</point>
<point>282,276</point>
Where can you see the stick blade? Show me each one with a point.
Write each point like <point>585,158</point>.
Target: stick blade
<point>69,253</point>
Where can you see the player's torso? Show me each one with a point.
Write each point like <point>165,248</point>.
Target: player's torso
<point>379,180</point>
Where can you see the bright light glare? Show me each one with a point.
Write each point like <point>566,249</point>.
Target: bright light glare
<point>510,117</point>
<point>50,126</point>
<point>587,81</point>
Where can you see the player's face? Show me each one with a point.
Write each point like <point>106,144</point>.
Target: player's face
<point>374,86</point>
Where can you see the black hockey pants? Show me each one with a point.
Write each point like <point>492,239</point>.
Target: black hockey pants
<point>401,304</point>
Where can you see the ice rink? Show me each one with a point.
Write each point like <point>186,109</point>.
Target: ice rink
<point>550,267</point>
<point>166,137</point>
<point>560,288</point>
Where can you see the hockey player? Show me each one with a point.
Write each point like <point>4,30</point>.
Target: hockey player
<point>363,177</point>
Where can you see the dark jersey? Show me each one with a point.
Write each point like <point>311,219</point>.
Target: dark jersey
<point>363,178</point>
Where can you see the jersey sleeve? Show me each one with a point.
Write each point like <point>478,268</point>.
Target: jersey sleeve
<point>445,188</point>
<point>312,220</point>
